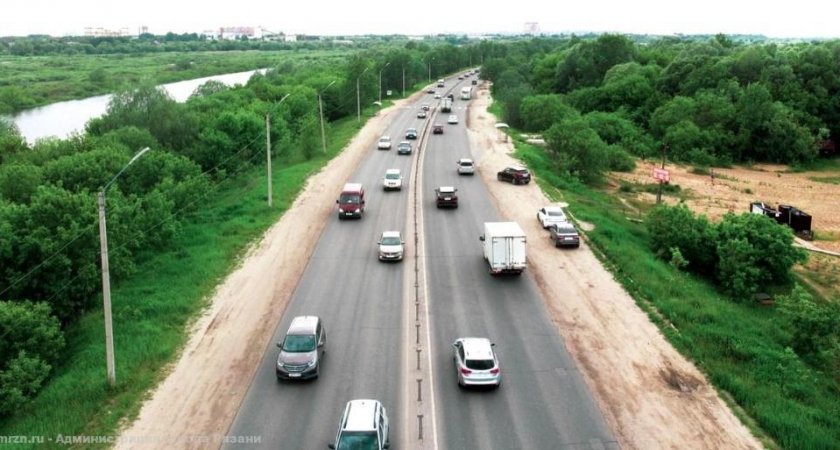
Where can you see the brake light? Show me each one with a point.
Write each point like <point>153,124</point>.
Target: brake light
<point>494,371</point>
<point>465,371</point>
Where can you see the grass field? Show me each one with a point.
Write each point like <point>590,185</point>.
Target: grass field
<point>152,308</point>
<point>744,349</point>
<point>31,81</point>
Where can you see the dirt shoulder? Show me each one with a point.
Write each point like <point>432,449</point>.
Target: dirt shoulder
<point>203,391</point>
<point>651,396</point>
<point>733,189</point>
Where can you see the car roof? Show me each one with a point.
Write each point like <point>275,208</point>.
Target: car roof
<point>453,115</point>
<point>517,168</point>
<point>385,137</point>
<point>446,189</point>
<point>392,171</point>
<point>390,234</point>
<point>565,226</point>
<point>405,143</point>
<point>303,325</point>
<point>411,129</point>
<point>361,415</point>
<point>553,209</point>
<point>477,348</point>
<point>462,160</point>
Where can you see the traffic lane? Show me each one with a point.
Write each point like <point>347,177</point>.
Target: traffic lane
<point>543,402</point>
<point>358,298</point>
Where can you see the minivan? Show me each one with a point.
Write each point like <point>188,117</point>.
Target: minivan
<point>351,202</point>
<point>302,350</point>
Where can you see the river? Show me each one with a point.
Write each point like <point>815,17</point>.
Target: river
<point>63,118</point>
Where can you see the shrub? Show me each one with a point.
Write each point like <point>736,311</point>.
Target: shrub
<point>815,327</point>
<point>676,227</point>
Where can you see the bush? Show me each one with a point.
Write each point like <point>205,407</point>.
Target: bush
<point>815,327</point>
<point>676,227</point>
<point>753,250</point>
<point>30,340</point>
<point>619,160</point>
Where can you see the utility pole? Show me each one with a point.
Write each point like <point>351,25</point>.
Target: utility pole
<point>106,275</point>
<point>359,98</point>
<point>380,81</point>
<point>403,91</point>
<point>321,113</point>
<point>659,192</point>
<point>268,156</point>
<point>268,152</point>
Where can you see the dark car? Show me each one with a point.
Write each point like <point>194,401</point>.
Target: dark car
<point>451,97</point>
<point>564,234</point>
<point>515,175</point>
<point>447,197</point>
<point>411,133</point>
<point>430,91</point>
<point>474,81</point>
<point>404,148</point>
<point>437,129</point>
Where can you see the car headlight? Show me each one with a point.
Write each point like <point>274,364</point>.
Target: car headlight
<point>311,363</point>
<point>341,210</point>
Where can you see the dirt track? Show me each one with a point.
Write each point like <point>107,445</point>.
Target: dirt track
<point>651,396</point>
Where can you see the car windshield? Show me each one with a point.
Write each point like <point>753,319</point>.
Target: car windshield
<point>392,176</point>
<point>555,213</point>
<point>521,171</point>
<point>348,199</point>
<point>350,440</point>
<point>296,343</point>
<point>391,240</point>
<point>412,130</point>
<point>479,364</point>
<point>384,139</point>
<point>466,163</point>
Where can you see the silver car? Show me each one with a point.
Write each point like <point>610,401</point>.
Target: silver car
<point>476,363</point>
<point>551,215</point>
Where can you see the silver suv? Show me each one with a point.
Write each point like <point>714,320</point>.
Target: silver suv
<point>364,425</point>
<point>302,350</point>
<point>476,363</point>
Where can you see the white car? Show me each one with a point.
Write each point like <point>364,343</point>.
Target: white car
<point>476,363</point>
<point>466,166</point>
<point>392,180</point>
<point>384,143</point>
<point>551,215</point>
<point>453,119</point>
<point>437,96</point>
<point>391,246</point>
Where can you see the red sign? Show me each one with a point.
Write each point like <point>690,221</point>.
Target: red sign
<point>661,174</point>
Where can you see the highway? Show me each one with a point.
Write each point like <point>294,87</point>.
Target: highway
<point>542,403</point>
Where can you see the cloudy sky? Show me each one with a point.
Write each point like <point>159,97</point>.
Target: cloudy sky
<point>773,18</point>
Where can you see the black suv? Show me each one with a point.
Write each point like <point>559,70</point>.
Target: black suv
<point>447,196</point>
<point>515,175</point>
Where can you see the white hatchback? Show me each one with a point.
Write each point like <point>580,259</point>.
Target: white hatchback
<point>466,166</point>
<point>391,246</point>
<point>453,119</point>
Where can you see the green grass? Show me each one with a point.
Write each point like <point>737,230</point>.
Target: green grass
<point>152,308</point>
<point>830,180</point>
<point>40,80</point>
<point>742,348</point>
<point>818,165</point>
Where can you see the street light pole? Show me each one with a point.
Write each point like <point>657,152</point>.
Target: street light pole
<point>403,91</point>
<point>268,153</point>
<point>359,98</point>
<point>380,81</point>
<point>106,276</point>
<point>321,113</point>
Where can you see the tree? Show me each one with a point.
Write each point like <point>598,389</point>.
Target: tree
<point>539,112</point>
<point>19,181</point>
<point>577,150</point>
<point>815,326</point>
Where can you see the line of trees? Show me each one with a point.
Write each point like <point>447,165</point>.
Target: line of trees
<point>49,247</point>
<point>713,102</point>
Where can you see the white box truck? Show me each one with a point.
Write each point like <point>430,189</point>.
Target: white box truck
<point>466,93</point>
<point>504,247</point>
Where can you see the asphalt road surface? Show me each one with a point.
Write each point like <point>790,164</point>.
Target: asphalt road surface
<point>542,403</point>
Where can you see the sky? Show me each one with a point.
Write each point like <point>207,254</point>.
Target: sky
<point>772,18</point>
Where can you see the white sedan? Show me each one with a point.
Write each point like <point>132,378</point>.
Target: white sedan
<point>384,143</point>
<point>453,119</point>
<point>551,215</point>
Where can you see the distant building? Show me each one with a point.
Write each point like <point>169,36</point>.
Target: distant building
<point>532,28</point>
<point>231,33</point>
<point>290,38</point>
<point>104,32</point>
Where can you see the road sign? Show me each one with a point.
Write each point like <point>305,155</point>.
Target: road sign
<point>661,174</point>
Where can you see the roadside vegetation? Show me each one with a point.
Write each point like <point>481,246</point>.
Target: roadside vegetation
<point>602,103</point>
<point>178,220</point>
